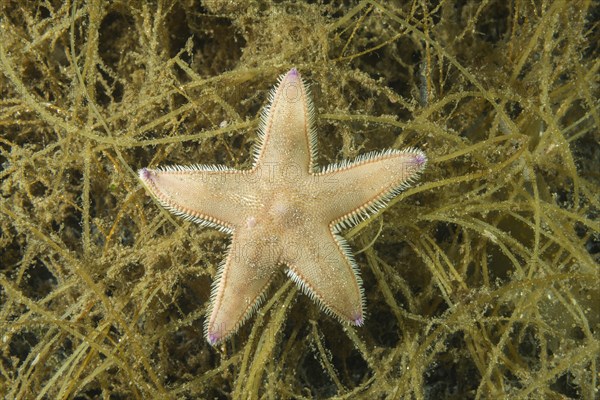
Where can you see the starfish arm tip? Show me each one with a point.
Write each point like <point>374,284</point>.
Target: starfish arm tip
<point>358,320</point>
<point>421,159</point>
<point>145,174</point>
<point>213,338</point>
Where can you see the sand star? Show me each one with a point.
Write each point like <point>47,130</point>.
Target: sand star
<point>284,211</point>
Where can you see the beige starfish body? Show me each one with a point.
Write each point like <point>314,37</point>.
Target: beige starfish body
<point>284,212</point>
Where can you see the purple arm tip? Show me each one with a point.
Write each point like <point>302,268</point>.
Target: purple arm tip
<point>421,159</point>
<point>144,174</point>
<point>358,320</point>
<point>213,339</point>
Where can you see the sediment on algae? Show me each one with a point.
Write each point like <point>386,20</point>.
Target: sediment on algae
<point>481,280</point>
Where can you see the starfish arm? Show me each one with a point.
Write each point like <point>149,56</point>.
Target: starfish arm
<point>362,187</point>
<point>321,264</point>
<point>240,284</point>
<point>209,195</point>
<point>286,137</point>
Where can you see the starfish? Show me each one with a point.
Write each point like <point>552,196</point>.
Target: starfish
<point>285,211</point>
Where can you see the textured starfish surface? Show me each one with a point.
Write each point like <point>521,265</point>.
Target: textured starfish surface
<point>284,212</point>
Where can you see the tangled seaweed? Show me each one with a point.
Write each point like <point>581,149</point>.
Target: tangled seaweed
<point>481,282</point>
